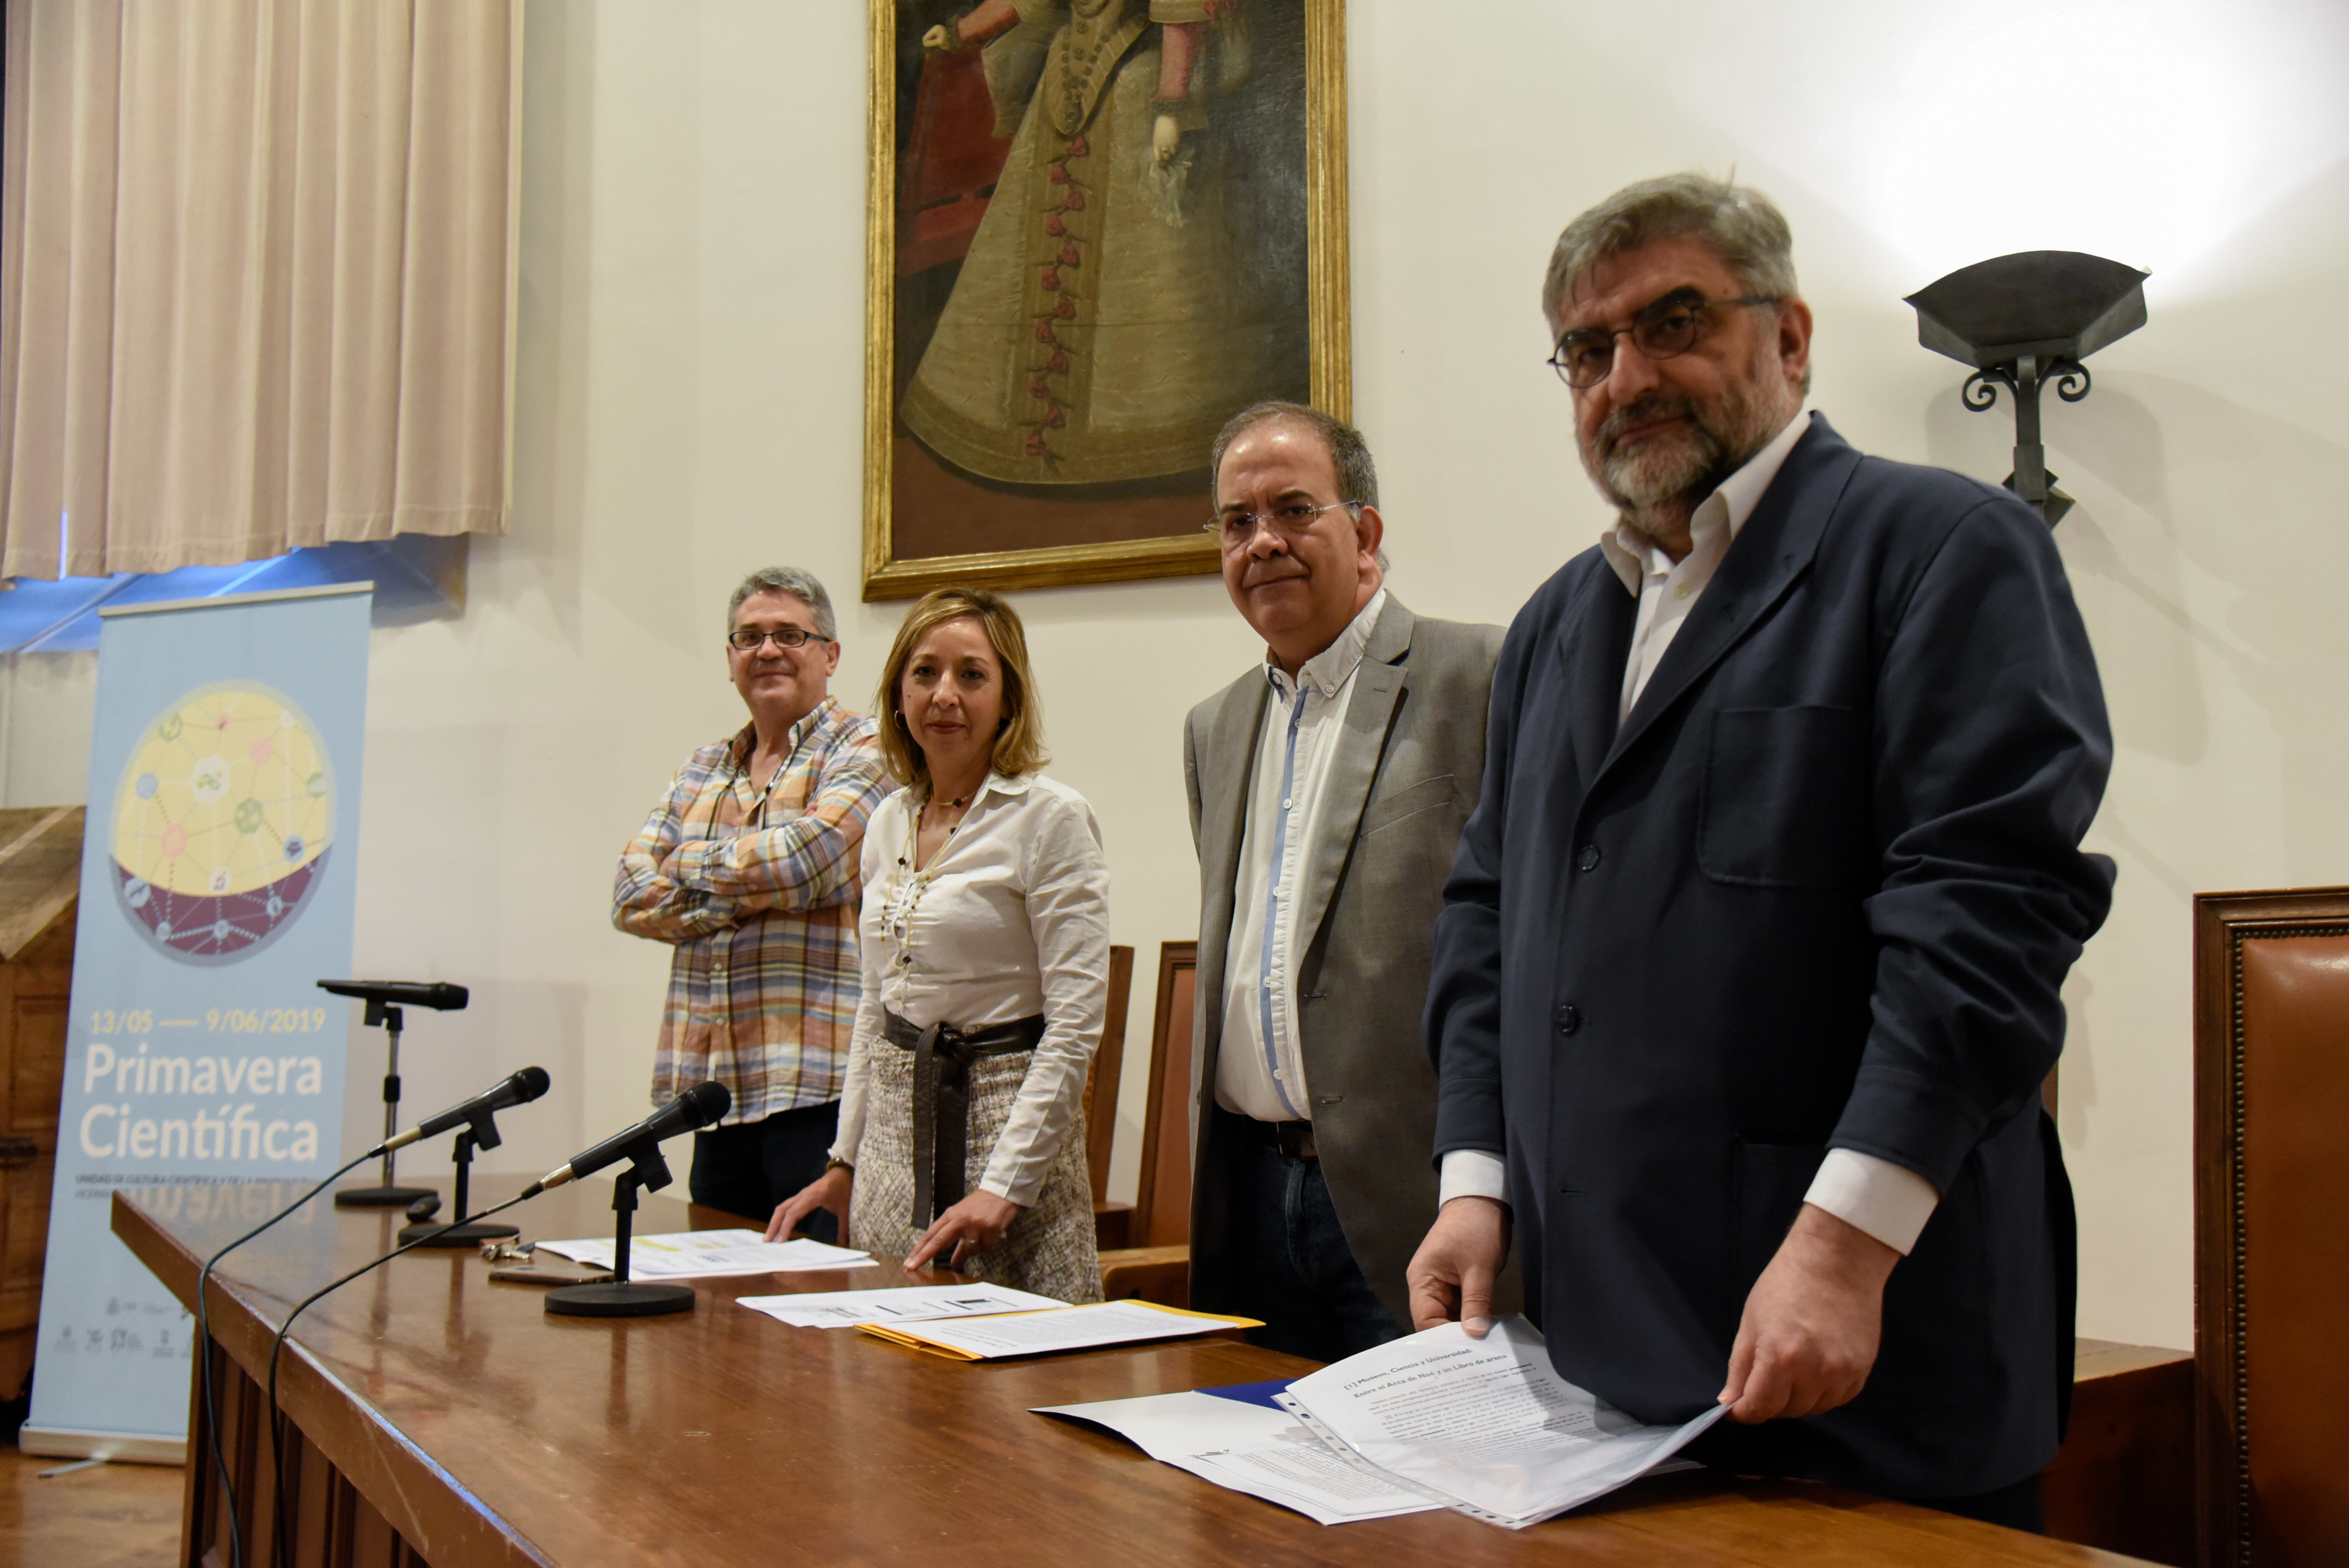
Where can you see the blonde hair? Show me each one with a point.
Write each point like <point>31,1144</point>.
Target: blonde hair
<point>1020,743</point>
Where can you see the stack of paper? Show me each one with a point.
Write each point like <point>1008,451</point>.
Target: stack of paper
<point>904,1303</point>
<point>1239,1438</point>
<point>690,1253</point>
<point>1485,1426</point>
<point>1063,1328</point>
<point>1437,1420</point>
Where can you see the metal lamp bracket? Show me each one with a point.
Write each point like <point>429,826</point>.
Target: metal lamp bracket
<point>2023,377</point>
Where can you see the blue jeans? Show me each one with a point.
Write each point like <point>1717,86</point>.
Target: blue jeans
<point>751,1167</point>
<point>1287,1260</point>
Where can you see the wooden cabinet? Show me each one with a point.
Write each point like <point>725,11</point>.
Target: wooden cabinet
<point>2125,1480</point>
<point>40,876</point>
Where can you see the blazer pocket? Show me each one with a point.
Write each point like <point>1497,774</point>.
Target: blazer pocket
<point>1785,798</point>
<point>1410,801</point>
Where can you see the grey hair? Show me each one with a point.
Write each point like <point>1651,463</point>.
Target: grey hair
<point>1742,226</point>
<point>1349,455</point>
<point>801,585</point>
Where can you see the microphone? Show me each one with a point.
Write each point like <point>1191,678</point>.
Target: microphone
<point>439,995</point>
<point>519,1089</point>
<point>698,1106</point>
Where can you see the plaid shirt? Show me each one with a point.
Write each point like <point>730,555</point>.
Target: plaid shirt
<point>758,891</point>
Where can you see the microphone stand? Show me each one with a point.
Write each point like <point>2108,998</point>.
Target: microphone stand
<point>389,1195</point>
<point>484,1131</point>
<point>622,1297</point>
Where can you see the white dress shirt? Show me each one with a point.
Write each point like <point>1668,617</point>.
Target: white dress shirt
<point>1889,1201</point>
<point>1010,918</point>
<point>1261,1068</point>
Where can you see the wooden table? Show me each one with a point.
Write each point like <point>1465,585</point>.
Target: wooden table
<point>446,1419</point>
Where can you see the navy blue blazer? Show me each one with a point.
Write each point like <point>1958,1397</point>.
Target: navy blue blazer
<point>1819,890</point>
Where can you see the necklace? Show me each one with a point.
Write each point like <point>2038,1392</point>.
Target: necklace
<point>911,883</point>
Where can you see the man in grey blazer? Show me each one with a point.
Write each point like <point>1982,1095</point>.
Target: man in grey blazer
<point>1328,787</point>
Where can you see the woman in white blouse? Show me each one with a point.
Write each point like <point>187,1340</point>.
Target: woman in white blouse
<point>985,938</point>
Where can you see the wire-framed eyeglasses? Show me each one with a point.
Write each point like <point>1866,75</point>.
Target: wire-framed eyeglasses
<point>749,639</point>
<point>1663,330</point>
<point>1287,520</point>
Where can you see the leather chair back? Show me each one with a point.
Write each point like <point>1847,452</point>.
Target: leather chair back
<point>2271,1227</point>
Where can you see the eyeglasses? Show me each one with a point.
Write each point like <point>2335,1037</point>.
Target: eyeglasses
<point>1288,521</point>
<point>747,639</point>
<point>1664,330</point>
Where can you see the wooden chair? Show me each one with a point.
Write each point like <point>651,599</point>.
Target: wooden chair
<point>1157,1265</point>
<point>1113,1222</point>
<point>2271,1272</point>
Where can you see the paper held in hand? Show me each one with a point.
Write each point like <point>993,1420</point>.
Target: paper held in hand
<point>1483,1426</point>
<point>1063,1328</point>
<point>902,1303</point>
<point>689,1254</point>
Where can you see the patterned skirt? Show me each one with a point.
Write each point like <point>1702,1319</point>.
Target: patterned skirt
<point>1049,1248</point>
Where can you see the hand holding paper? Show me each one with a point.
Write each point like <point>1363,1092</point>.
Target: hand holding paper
<point>1808,1336</point>
<point>1486,1425</point>
<point>1451,1276</point>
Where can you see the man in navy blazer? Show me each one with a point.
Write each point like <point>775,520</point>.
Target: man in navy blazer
<point>1747,975</point>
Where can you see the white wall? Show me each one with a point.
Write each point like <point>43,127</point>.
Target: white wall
<point>689,408</point>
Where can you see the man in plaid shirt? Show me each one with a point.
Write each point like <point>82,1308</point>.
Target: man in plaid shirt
<point>749,868</point>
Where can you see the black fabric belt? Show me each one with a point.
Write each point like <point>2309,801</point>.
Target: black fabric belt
<point>1294,1139</point>
<point>942,1059</point>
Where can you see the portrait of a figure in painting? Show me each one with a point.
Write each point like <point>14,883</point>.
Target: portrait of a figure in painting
<point>1099,255</point>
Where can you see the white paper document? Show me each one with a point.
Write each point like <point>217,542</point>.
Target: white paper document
<point>1250,1447</point>
<point>905,1303</point>
<point>1485,1426</point>
<point>1063,1328</point>
<point>689,1253</point>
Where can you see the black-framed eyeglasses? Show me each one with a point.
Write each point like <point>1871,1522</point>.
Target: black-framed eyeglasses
<point>1288,521</point>
<point>1663,330</point>
<point>749,639</point>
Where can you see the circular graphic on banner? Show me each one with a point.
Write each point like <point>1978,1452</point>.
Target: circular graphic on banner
<point>221,823</point>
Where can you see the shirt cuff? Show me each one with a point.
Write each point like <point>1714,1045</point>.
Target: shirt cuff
<point>1472,1173</point>
<point>1890,1202</point>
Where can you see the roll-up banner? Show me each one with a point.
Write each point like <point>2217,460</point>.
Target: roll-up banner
<point>216,891</point>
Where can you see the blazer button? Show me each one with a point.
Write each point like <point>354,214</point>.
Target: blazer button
<point>1568,1018</point>
<point>1588,859</point>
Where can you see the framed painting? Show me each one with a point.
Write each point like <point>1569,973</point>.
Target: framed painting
<point>1097,230</point>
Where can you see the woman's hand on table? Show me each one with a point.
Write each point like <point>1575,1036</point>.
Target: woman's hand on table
<point>829,1190</point>
<point>973,1225</point>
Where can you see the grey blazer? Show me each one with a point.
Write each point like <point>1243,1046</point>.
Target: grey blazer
<point>1408,770</point>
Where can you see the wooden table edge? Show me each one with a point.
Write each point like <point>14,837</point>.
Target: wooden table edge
<point>392,1474</point>
<point>389,1469</point>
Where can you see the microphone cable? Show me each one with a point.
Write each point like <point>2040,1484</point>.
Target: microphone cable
<point>278,1551</point>
<point>204,1350</point>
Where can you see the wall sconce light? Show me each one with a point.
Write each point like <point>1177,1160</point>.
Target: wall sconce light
<point>2023,321</point>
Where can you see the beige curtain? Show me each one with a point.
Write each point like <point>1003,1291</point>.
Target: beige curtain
<point>256,276</point>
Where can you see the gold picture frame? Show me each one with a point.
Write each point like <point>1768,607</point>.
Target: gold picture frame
<point>1328,348</point>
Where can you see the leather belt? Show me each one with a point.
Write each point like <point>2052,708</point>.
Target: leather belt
<point>942,1059</point>
<point>1294,1139</point>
